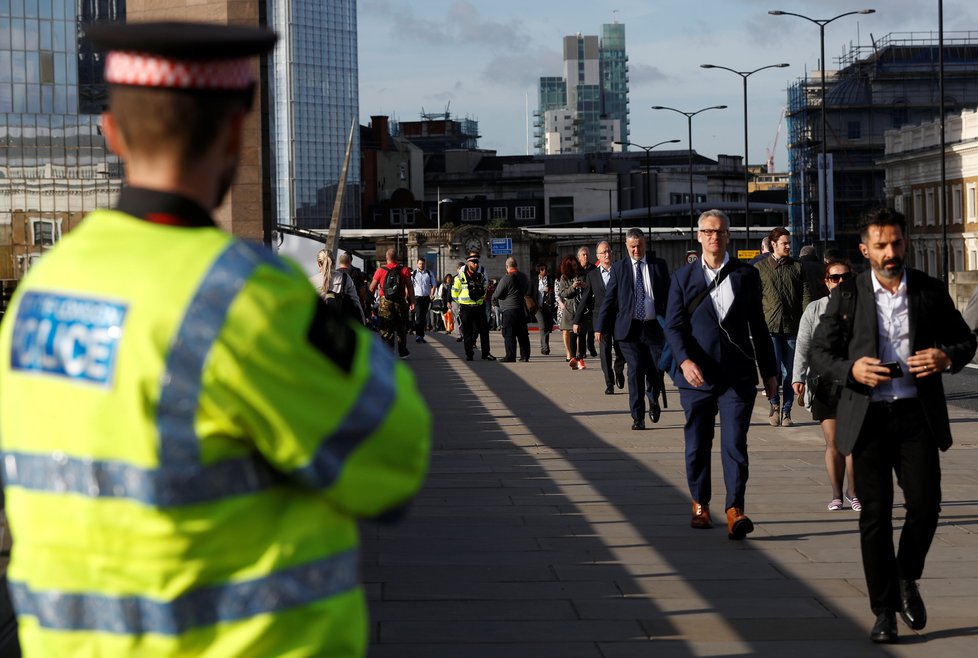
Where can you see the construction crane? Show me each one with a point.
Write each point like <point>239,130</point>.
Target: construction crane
<point>774,145</point>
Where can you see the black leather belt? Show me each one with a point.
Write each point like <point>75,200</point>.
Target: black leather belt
<point>902,406</point>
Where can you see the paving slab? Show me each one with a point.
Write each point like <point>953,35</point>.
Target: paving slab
<point>547,527</point>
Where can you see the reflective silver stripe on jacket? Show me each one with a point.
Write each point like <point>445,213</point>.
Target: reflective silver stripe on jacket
<point>362,420</point>
<point>137,615</point>
<point>180,478</point>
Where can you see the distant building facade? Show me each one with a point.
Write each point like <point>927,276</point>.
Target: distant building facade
<point>912,165</point>
<point>586,110</point>
<point>891,84</point>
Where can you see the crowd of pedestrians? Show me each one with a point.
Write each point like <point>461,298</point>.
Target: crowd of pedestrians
<point>862,352</point>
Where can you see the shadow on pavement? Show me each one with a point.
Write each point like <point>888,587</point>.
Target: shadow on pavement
<point>533,536</point>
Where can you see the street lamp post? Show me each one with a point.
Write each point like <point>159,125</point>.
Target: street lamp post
<point>648,174</point>
<point>745,75</point>
<point>438,203</point>
<point>610,211</point>
<point>823,201</point>
<point>689,136</point>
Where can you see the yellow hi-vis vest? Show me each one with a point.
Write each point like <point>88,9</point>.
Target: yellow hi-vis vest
<point>183,465</point>
<point>460,290</point>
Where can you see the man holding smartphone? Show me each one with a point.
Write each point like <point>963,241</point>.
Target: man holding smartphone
<point>886,337</point>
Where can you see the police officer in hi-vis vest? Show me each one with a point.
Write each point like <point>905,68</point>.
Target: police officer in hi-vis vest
<point>189,435</point>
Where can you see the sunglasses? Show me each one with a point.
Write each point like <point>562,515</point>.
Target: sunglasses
<point>836,278</point>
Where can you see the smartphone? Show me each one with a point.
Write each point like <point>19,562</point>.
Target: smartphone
<point>894,367</point>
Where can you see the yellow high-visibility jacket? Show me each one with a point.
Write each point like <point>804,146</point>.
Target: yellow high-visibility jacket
<point>460,289</point>
<point>188,437</point>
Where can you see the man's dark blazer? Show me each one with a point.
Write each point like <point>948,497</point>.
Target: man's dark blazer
<point>724,354</point>
<point>593,296</point>
<point>618,307</point>
<point>848,330</point>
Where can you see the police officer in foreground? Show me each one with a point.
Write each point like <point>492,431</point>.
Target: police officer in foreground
<point>189,434</point>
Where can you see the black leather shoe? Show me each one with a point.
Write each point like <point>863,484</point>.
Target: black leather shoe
<point>620,379</point>
<point>885,630</point>
<point>655,412</point>
<point>506,359</point>
<point>458,340</point>
<point>468,357</point>
<point>488,357</point>
<point>912,606</point>
<point>545,351</point>
<point>638,424</point>
<point>610,390</point>
<point>525,359</point>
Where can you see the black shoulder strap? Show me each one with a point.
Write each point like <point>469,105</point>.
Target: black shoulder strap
<point>721,275</point>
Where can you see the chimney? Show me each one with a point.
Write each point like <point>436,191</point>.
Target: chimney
<point>381,131</point>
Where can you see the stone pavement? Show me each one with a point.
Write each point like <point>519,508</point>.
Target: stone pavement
<point>548,528</point>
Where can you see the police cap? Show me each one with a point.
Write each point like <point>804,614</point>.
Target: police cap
<point>180,55</point>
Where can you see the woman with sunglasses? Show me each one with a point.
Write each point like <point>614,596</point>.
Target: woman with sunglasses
<point>822,397</point>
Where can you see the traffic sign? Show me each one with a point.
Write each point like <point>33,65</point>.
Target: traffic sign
<point>747,254</point>
<point>692,256</point>
<point>501,246</point>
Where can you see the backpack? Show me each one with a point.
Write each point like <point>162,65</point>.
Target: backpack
<point>344,304</point>
<point>393,290</point>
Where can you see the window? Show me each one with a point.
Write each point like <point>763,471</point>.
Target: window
<point>471,214</point>
<point>46,232</point>
<point>958,259</point>
<point>561,209</point>
<point>972,209</point>
<point>956,204</point>
<point>929,212</point>
<point>408,214</point>
<point>526,213</point>
<point>395,216</point>
<point>499,212</point>
<point>854,130</point>
<point>918,208</point>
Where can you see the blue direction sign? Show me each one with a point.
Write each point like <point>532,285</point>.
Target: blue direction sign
<point>501,246</point>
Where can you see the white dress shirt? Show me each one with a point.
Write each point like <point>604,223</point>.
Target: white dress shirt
<point>647,283</point>
<point>722,295</point>
<point>893,325</point>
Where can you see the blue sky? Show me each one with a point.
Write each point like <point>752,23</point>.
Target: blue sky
<point>484,56</point>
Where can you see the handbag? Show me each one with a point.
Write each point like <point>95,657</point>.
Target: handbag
<point>530,301</point>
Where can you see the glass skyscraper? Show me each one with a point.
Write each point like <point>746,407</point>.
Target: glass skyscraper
<point>54,166</point>
<point>586,110</point>
<point>314,96</point>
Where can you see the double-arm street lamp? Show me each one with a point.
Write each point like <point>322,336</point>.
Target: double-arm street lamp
<point>648,175</point>
<point>745,75</point>
<point>822,22</point>
<point>689,121</point>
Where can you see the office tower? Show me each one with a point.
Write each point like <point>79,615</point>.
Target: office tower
<point>586,110</point>
<point>54,166</point>
<point>313,102</point>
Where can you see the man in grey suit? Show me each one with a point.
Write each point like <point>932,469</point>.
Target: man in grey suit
<point>886,337</point>
<point>597,280</point>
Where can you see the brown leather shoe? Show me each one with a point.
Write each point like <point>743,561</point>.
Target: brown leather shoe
<point>738,525</point>
<point>701,517</point>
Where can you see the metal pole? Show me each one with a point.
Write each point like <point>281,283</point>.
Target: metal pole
<point>692,211</point>
<point>823,201</point>
<point>648,189</point>
<point>746,173</point>
<point>946,258</point>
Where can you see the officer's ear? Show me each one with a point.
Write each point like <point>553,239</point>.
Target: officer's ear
<point>113,136</point>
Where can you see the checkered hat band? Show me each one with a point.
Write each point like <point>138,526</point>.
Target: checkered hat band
<point>122,68</point>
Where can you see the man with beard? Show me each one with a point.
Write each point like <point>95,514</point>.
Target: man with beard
<point>886,337</point>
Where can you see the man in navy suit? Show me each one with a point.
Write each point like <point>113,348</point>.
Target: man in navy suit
<point>635,294</point>
<point>715,327</point>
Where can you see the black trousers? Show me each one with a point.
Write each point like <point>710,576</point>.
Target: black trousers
<point>475,324</point>
<point>642,348</point>
<point>611,369</point>
<point>515,331</point>
<point>894,440</point>
<point>421,306</point>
